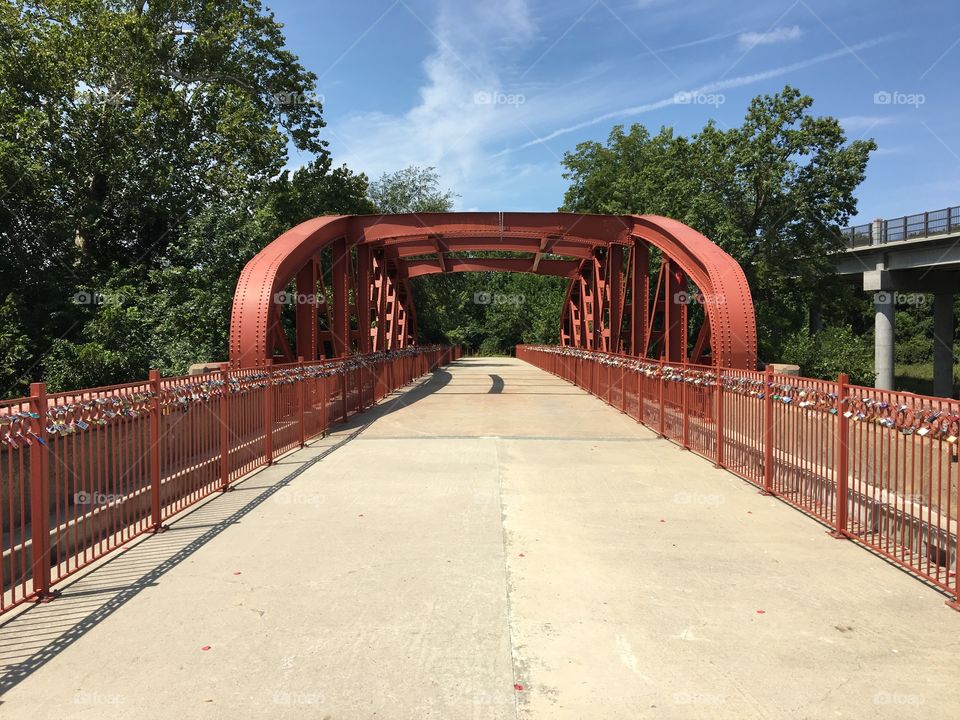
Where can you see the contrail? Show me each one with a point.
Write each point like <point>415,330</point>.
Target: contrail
<point>708,88</point>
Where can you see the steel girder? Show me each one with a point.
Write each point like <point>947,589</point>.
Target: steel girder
<point>353,275</point>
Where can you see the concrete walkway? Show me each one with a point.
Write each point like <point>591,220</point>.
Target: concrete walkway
<point>493,543</point>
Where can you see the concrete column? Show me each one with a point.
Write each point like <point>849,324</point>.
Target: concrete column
<point>943,344</point>
<point>877,232</point>
<point>883,332</point>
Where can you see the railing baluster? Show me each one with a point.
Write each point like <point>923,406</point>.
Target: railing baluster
<point>39,493</point>
<point>841,469</point>
<point>768,431</point>
<point>268,414</point>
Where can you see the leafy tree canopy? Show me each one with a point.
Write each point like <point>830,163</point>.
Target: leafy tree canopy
<point>771,192</point>
<point>411,190</point>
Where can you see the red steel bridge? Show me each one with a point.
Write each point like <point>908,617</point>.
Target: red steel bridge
<point>324,326</point>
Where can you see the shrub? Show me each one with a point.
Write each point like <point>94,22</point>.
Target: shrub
<point>830,352</point>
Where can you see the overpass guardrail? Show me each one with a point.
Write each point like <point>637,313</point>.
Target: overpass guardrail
<point>908,227</point>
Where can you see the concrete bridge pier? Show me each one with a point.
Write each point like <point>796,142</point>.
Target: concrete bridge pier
<point>943,344</point>
<point>884,327</point>
<point>887,287</point>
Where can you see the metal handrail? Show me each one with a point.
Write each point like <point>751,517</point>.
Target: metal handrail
<point>907,227</point>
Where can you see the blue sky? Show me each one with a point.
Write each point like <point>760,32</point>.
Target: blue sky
<point>493,92</point>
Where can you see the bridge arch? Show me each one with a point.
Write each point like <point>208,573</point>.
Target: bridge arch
<point>352,278</point>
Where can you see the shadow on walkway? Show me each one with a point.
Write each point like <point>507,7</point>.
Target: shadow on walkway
<point>36,635</point>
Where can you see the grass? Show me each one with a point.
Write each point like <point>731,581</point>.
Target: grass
<point>918,378</point>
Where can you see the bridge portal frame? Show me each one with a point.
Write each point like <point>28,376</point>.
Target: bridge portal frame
<point>352,277</point>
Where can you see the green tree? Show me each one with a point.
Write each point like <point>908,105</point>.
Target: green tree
<point>771,192</point>
<point>411,190</point>
<point>826,354</point>
<point>142,146</point>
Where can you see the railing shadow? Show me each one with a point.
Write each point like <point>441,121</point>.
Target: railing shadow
<point>34,636</point>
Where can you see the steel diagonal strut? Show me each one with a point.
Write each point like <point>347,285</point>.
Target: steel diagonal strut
<point>360,269</point>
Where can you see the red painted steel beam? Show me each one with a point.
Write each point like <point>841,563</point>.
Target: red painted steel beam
<point>307,340</point>
<point>729,305</point>
<point>732,333</point>
<point>562,268</point>
<point>340,269</point>
<point>363,292</point>
<point>639,296</point>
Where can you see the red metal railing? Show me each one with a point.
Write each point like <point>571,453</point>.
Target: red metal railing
<point>878,467</point>
<point>86,471</point>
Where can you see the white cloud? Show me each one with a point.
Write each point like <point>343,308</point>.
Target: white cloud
<point>777,35</point>
<point>464,106</point>
<point>709,88</point>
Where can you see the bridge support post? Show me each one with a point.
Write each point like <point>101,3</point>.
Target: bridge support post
<point>768,432</point>
<point>661,419</point>
<point>883,339</point>
<point>224,429</point>
<point>718,397</point>
<point>685,410</point>
<point>841,471</point>
<point>301,402</point>
<point>268,414</point>
<point>639,397</point>
<point>39,494</point>
<point>943,344</point>
<point>156,439</point>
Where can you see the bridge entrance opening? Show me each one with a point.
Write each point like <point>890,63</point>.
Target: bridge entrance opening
<point>638,285</point>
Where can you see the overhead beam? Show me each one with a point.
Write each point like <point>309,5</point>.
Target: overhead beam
<point>546,246</point>
<point>561,268</point>
<point>441,249</point>
<point>409,247</point>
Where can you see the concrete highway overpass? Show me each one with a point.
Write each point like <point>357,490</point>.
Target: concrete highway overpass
<point>897,258</point>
